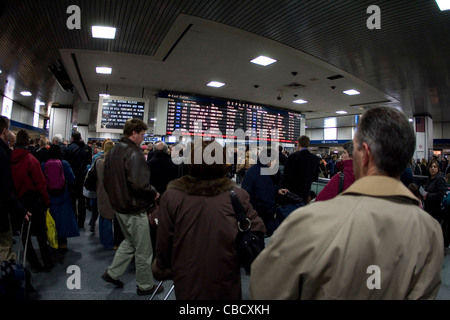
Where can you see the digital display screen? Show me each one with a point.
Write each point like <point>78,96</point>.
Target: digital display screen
<point>114,111</point>
<point>184,112</point>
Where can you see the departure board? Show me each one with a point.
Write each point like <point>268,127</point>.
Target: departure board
<point>186,112</point>
<point>114,111</point>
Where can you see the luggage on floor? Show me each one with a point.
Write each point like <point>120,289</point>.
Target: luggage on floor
<point>15,279</point>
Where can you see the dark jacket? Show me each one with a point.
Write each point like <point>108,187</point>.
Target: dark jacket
<point>436,189</point>
<point>162,171</point>
<point>9,203</point>
<point>127,178</point>
<point>196,238</point>
<point>262,191</point>
<point>41,155</point>
<point>77,154</point>
<point>301,169</point>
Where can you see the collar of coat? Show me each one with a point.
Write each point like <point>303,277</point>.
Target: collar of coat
<point>206,188</point>
<point>382,186</point>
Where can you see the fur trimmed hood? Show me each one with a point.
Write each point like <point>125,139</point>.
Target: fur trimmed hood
<point>206,188</point>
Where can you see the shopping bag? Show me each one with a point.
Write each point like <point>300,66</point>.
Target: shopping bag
<point>51,230</point>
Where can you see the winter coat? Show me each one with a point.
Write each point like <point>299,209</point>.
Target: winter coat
<point>196,238</point>
<point>104,205</point>
<point>79,156</point>
<point>27,174</point>
<point>370,242</point>
<point>301,169</point>
<point>436,189</point>
<point>10,206</point>
<point>61,207</point>
<point>332,187</point>
<point>162,171</point>
<point>127,178</point>
<point>262,191</point>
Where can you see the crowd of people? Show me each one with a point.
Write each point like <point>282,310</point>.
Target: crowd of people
<point>367,214</point>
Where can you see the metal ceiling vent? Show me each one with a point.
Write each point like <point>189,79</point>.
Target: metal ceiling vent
<point>295,85</point>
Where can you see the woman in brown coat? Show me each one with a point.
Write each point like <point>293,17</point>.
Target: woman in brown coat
<point>197,230</point>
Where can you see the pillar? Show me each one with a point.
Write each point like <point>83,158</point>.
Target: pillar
<point>60,122</point>
<point>424,136</point>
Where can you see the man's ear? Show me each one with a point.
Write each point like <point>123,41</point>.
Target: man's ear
<point>367,155</point>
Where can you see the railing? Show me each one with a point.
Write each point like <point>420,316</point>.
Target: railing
<point>316,187</point>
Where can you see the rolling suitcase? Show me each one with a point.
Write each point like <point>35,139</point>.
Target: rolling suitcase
<point>159,286</point>
<point>15,279</point>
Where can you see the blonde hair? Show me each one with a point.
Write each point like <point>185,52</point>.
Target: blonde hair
<point>107,146</point>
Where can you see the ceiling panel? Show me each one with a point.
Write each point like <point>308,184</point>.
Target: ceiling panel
<point>407,59</point>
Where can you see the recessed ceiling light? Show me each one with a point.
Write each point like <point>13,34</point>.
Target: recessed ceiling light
<point>351,92</point>
<point>300,101</point>
<point>103,32</point>
<point>411,120</point>
<point>263,60</point>
<point>341,112</point>
<point>103,95</point>
<point>26,93</point>
<point>443,4</point>
<point>103,70</point>
<point>215,84</point>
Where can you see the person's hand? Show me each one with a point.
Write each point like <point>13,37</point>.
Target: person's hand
<point>157,196</point>
<point>28,216</point>
<point>283,191</point>
<point>425,196</point>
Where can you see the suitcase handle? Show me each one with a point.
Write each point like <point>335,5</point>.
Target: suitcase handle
<point>26,242</point>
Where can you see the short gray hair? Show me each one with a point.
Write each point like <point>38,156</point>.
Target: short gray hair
<point>390,137</point>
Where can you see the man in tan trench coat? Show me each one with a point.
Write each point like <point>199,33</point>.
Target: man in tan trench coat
<point>371,242</point>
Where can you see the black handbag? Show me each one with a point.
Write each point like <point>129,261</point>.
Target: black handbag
<point>90,181</point>
<point>249,243</point>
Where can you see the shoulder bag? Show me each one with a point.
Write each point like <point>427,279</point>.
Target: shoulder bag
<point>249,244</point>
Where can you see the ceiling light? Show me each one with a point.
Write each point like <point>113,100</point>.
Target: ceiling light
<point>411,120</point>
<point>351,92</point>
<point>341,112</point>
<point>443,4</point>
<point>26,93</point>
<point>300,101</point>
<point>263,61</point>
<point>103,32</point>
<point>215,84</point>
<point>103,95</point>
<point>104,70</point>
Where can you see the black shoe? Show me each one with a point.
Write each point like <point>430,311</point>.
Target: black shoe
<point>141,292</point>
<point>107,278</point>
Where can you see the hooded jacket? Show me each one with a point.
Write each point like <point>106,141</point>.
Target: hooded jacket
<point>332,187</point>
<point>127,178</point>
<point>27,174</point>
<point>370,242</point>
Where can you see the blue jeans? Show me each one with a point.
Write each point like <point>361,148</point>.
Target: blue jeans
<point>105,228</point>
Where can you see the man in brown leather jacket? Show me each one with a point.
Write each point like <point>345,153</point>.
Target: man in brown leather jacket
<point>127,182</point>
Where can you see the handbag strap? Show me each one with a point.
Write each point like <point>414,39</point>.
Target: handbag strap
<point>239,211</point>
